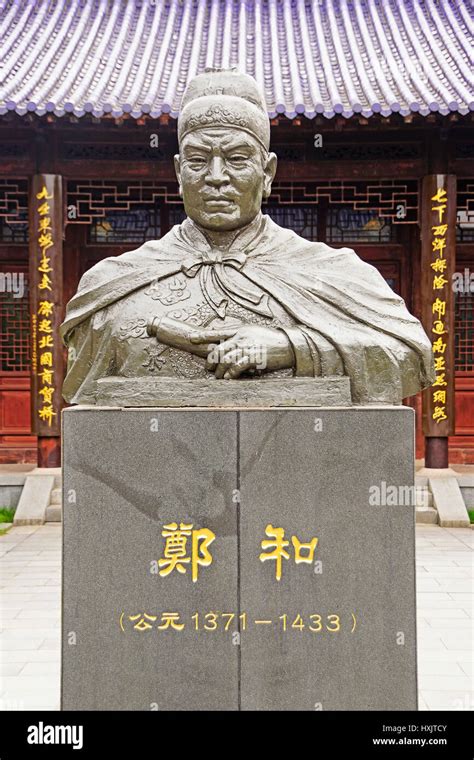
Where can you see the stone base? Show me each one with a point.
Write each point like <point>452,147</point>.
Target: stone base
<point>334,633</point>
<point>173,392</point>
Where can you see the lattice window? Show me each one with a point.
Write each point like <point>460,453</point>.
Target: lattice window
<point>301,219</point>
<point>13,210</point>
<point>345,224</point>
<point>464,332</point>
<point>465,211</point>
<point>14,324</point>
<point>133,226</point>
<point>397,202</point>
<point>95,199</point>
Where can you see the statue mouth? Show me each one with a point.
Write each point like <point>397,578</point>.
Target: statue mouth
<point>218,203</point>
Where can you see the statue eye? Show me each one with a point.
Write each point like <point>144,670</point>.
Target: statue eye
<point>238,159</point>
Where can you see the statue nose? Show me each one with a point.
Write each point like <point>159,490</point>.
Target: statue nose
<point>216,175</point>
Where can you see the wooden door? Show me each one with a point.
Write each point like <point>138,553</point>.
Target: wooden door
<point>16,442</point>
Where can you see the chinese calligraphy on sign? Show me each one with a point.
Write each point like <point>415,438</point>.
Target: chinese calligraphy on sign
<point>175,552</point>
<point>232,621</point>
<point>438,263</point>
<point>177,555</point>
<point>46,285</point>
<point>303,552</point>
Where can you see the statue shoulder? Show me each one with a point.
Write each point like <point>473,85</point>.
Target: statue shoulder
<point>114,266</point>
<point>343,256</point>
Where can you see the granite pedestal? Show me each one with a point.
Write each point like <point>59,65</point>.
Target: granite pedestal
<point>208,616</point>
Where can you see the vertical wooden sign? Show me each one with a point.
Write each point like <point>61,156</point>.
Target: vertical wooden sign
<point>438,255</point>
<point>46,279</point>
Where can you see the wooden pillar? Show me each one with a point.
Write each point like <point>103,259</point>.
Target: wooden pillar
<point>46,311</point>
<point>438,255</point>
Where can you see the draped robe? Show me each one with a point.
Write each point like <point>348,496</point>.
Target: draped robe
<point>340,315</point>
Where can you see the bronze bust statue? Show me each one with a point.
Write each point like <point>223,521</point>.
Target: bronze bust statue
<point>229,294</point>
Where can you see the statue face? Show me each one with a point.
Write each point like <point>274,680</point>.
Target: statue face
<point>223,175</point>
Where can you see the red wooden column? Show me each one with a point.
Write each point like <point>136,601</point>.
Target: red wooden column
<point>438,256</point>
<point>46,303</point>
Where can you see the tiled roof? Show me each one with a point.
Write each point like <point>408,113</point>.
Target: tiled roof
<point>310,56</point>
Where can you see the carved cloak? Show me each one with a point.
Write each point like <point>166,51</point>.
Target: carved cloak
<point>383,348</point>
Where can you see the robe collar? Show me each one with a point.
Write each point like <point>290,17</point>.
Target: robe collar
<point>220,269</point>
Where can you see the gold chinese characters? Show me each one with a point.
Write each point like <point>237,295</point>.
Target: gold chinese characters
<point>438,308</point>
<point>45,311</point>
<point>175,552</point>
<point>278,546</point>
<point>187,547</point>
<point>232,621</point>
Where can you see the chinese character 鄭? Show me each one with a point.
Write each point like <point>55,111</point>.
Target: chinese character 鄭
<point>175,551</point>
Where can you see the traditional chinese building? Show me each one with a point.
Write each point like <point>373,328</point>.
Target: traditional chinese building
<point>371,110</point>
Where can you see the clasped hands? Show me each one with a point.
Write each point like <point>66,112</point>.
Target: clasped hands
<point>229,351</point>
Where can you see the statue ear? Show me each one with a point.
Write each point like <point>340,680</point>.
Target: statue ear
<point>177,168</point>
<point>269,173</point>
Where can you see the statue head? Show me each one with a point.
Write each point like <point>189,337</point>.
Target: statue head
<point>224,167</point>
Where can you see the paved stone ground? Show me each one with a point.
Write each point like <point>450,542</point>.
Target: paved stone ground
<point>30,572</point>
<point>30,595</point>
<point>445,587</point>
